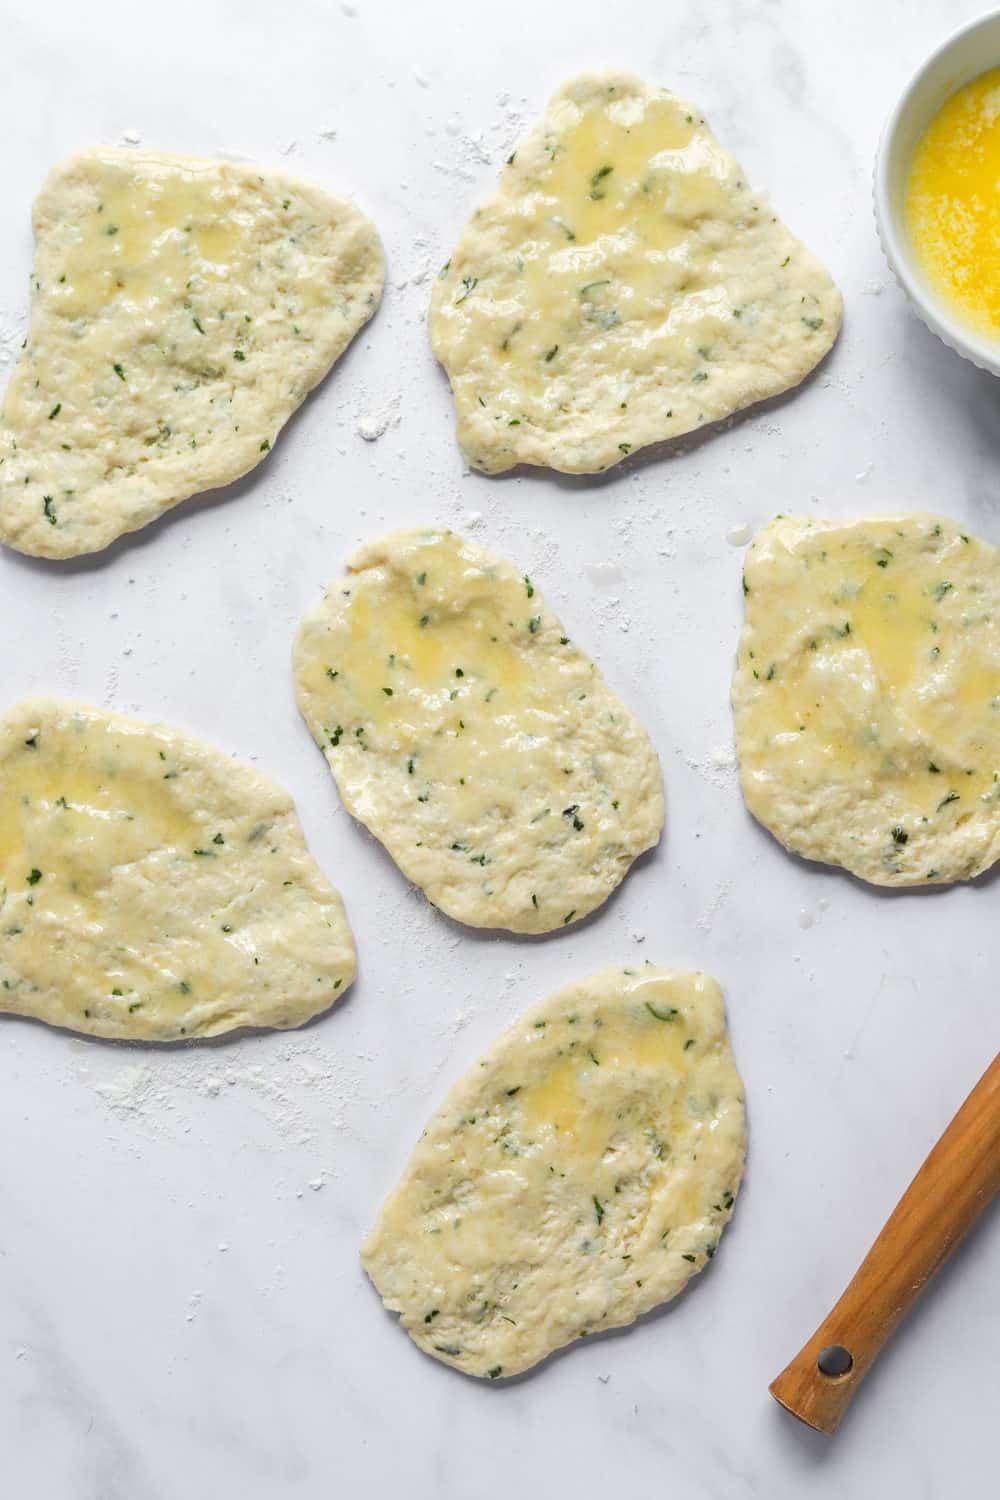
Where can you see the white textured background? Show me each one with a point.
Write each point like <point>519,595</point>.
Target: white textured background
<point>182,1311</point>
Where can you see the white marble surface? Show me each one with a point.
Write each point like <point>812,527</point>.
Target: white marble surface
<point>182,1311</point>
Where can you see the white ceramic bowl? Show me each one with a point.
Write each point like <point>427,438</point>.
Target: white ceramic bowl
<point>973,50</point>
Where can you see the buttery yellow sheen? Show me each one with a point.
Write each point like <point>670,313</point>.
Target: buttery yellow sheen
<point>867,695</point>
<point>578,1175</point>
<point>151,887</point>
<point>147,238</point>
<point>953,202</point>
<point>181,310</point>
<point>470,734</point>
<point>623,285</point>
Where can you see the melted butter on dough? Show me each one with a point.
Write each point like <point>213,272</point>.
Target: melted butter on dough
<point>622,286</point>
<point>181,310</point>
<point>867,695</point>
<point>579,1175</point>
<point>152,887</point>
<point>470,735</point>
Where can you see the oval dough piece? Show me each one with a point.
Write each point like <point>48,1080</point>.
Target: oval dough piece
<point>867,695</point>
<point>578,1176</point>
<point>470,735</point>
<point>152,887</point>
<point>623,285</point>
<point>181,310</point>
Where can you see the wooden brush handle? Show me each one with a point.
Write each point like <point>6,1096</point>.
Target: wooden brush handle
<point>954,1185</point>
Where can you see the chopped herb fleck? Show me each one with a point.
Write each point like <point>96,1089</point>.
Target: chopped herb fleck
<point>596,191</point>
<point>670,1014</point>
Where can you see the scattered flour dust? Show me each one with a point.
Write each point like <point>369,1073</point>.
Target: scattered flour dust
<point>304,1093</point>
<point>372,425</point>
<point>468,152</point>
<point>707,919</point>
<point>718,766</point>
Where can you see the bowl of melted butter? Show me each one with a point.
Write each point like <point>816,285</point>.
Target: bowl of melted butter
<point>937,192</point>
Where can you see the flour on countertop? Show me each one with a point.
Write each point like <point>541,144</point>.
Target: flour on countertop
<point>469,151</point>
<point>372,425</point>
<point>305,1091</point>
<point>718,766</point>
<point>706,920</point>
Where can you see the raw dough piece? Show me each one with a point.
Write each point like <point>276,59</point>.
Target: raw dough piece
<point>623,285</point>
<point>182,309</point>
<point>867,695</point>
<point>152,887</point>
<point>471,736</point>
<point>575,1178</point>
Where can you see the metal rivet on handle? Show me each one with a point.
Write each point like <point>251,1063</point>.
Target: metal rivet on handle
<point>835,1360</point>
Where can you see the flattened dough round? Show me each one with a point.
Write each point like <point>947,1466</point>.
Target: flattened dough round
<point>578,1176</point>
<point>470,735</point>
<point>867,695</point>
<point>623,285</point>
<point>152,887</point>
<point>181,310</point>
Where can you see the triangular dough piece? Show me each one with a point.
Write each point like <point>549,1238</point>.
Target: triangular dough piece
<point>473,737</point>
<point>622,286</point>
<point>153,887</point>
<point>182,309</point>
<point>578,1175</point>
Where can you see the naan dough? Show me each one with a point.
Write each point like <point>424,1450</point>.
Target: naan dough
<point>623,285</point>
<point>472,737</point>
<point>867,695</point>
<point>575,1178</point>
<point>152,887</point>
<point>181,311</point>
